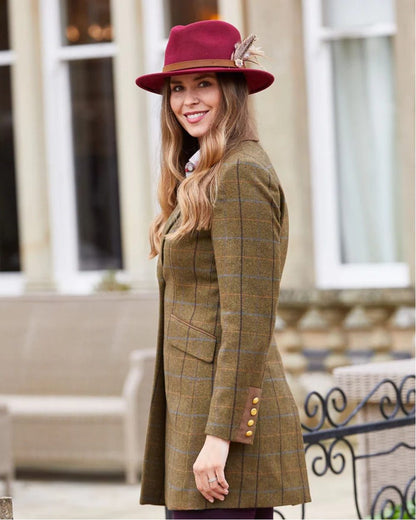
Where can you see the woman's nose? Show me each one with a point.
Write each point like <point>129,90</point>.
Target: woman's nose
<point>191,98</point>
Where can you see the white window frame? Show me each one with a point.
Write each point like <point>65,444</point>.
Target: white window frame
<point>59,149</point>
<point>330,272</point>
<point>154,44</point>
<point>11,283</point>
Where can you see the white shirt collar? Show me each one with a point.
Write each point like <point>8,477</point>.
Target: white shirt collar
<point>192,163</point>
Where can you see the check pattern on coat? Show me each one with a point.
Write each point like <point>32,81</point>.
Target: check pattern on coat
<point>218,370</point>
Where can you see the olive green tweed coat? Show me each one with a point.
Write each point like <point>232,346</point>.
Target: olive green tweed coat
<point>218,370</point>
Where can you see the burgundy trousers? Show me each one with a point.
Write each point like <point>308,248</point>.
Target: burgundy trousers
<point>245,513</point>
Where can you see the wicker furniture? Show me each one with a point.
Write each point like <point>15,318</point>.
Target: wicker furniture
<point>395,468</point>
<point>6,459</point>
<point>75,373</point>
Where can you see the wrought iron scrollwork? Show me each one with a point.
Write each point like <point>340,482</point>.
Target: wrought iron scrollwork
<point>405,403</point>
<point>385,506</point>
<point>336,401</point>
<point>330,431</point>
<point>330,459</point>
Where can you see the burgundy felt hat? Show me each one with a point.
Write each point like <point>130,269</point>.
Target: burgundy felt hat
<point>210,45</point>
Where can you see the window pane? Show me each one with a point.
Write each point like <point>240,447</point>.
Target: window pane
<point>182,12</point>
<point>9,235</point>
<point>368,179</point>
<point>95,162</point>
<point>351,13</point>
<point>86,21</point>
<point>4,29</point>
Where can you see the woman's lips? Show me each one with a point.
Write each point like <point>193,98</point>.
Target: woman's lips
<point>195,117</point>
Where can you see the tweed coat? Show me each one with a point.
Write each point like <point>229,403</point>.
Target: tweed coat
<point>218,370</point>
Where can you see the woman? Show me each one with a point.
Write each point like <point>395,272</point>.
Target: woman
<point>224,438</point>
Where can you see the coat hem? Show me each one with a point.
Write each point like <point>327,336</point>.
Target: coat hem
<point>222,505</point>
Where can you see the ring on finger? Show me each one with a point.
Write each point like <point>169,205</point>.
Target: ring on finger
<point>210,480</point>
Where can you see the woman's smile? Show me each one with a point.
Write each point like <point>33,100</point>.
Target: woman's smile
<point>195,117</point>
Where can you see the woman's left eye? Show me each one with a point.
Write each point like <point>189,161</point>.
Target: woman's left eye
<point>204,84</point>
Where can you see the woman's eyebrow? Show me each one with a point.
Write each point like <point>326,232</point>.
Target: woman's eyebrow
<point>203,76</point>
<point>198,78</point>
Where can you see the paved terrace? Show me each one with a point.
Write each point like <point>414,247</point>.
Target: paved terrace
<point>66,496</point>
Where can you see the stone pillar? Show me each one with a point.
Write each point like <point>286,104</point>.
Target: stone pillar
<point>381,342</point>
<point>404,57</point>
<point>132,144</point>
<point>290,343</point>
<point>337,342</point>
<point>32,182</point>
<point>379,305</point>
<point>282,116</point>
<point>232,11</point>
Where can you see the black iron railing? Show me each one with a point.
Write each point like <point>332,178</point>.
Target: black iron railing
<point>333,425</point>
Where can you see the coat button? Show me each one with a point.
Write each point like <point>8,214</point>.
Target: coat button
<point>249,433</point>
<point>250,422</point>
<point>253,411</point>
<point>255,400</point>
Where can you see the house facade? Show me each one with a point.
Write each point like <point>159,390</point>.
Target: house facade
<point>79,142</point>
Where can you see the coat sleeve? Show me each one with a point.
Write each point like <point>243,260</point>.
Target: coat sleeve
<point>249,255</point>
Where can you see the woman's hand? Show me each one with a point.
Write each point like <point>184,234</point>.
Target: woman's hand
<point>209,465</point>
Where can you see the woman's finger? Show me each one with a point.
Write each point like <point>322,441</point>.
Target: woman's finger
<point>210,490</point>
<point>202,487</point>
<point>215,490</point>
<point>221,479</point>
<point>218,490</point>
<point>216,495</point>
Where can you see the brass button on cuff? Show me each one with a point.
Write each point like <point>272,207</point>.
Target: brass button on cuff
<point>250,422</point>
<point>249,433</point>
<point>255,400</point>
<point>253,411</point>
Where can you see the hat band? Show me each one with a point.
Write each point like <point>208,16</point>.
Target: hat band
<point>193,64</point>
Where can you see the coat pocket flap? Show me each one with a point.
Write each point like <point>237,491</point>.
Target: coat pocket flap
<point>191,339</point>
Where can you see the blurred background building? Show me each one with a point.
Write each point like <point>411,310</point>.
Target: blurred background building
<point>79,141</point>
<point>79,153</point>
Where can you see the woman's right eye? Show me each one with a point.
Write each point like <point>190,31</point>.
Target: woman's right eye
<point>176,88</point>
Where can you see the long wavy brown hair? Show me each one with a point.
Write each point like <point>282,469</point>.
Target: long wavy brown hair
<point>196,194</point>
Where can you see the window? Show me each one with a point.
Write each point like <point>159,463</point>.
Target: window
<point>95,163</point>
<point>81,132</point>
<point>356,182</point>
<point>364,131</point>
<point>93,134</point>
<point>9,232</point>
<point>85,22</point>
<point>182,12</point>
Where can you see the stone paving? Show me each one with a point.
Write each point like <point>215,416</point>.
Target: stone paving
<point>66,497</point>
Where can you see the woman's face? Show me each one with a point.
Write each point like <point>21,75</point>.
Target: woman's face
<point>195,100</point>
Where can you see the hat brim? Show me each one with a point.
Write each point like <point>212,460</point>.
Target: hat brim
<point>257,80</point>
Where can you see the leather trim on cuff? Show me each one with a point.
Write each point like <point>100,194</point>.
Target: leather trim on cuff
<point>246,432</point>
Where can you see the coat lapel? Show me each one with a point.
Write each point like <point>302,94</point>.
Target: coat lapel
<point>173,217</point>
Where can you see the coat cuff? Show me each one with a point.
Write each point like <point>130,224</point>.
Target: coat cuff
<point>244,428</point>
<point>247,428</point>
